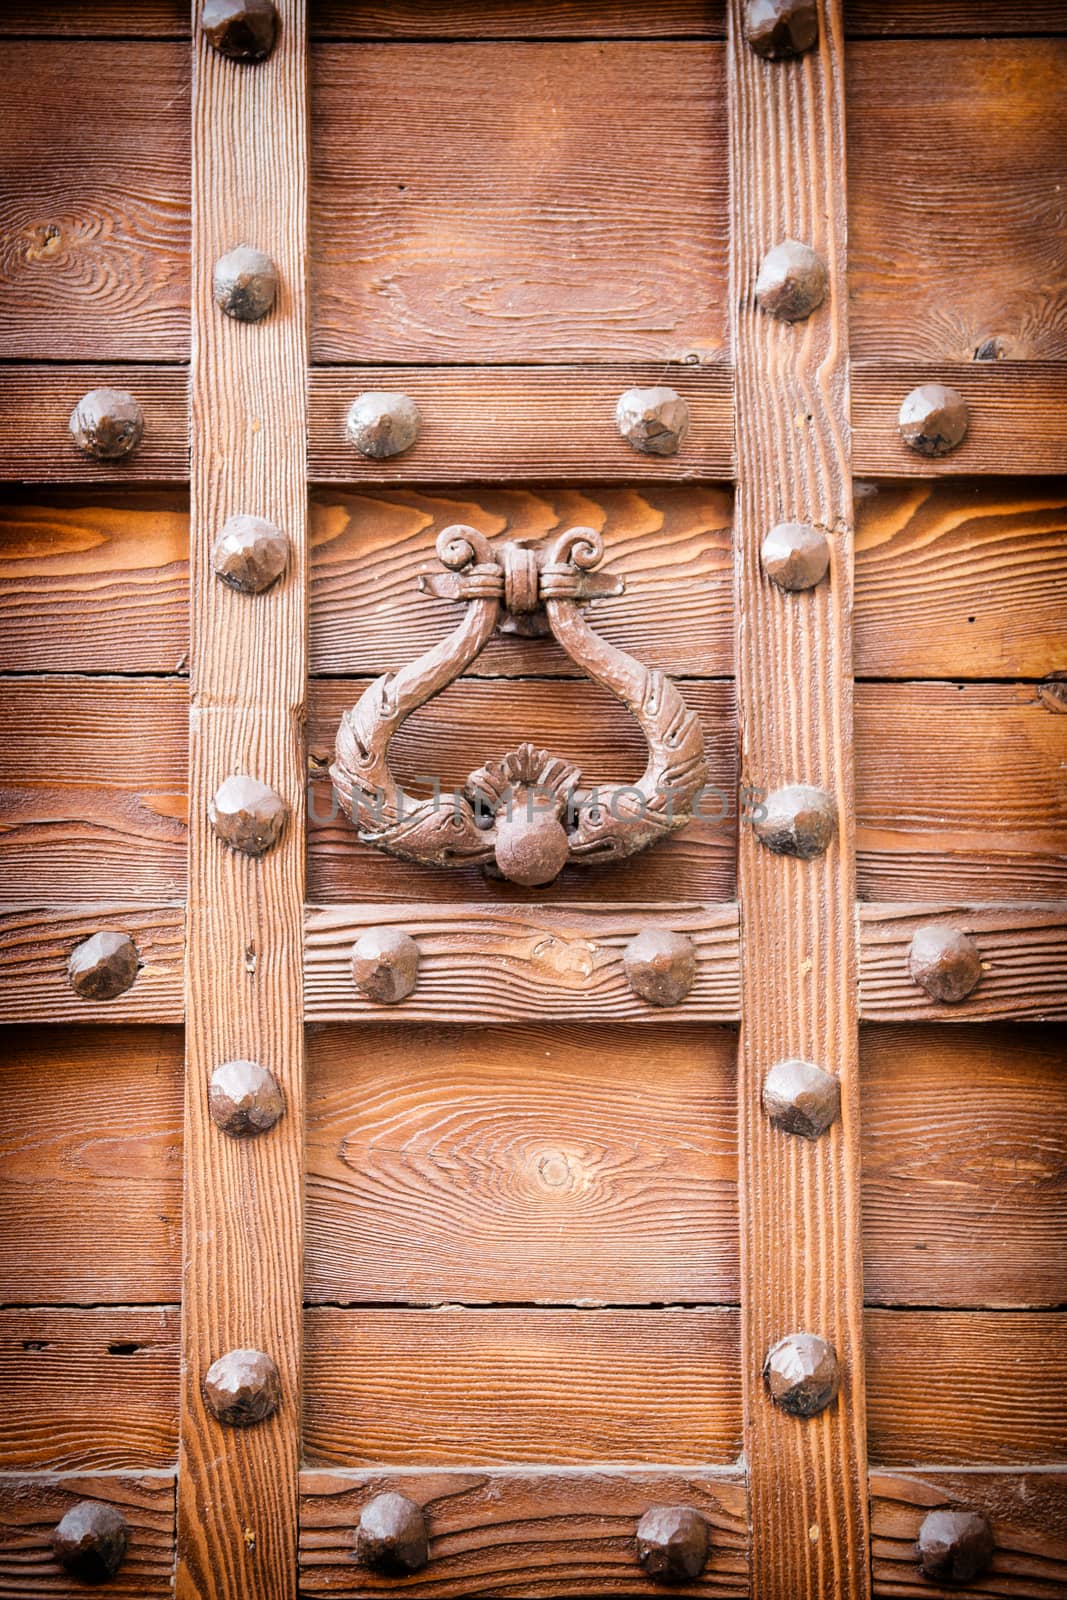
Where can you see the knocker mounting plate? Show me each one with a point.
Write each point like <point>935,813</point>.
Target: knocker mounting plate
<point>526,813</point>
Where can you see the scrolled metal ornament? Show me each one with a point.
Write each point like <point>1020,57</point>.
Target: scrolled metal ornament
<point>525,814</point>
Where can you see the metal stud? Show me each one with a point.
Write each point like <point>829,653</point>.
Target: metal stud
<point>944,961</point>
<point>381,425</point>
<point>245,284</point>
<point>106,424</point>
<point>660,965</point>
<point>672,1543</point>
<point>385,964</point>
<point>777,29</point>
<point>933,419</point>
<point>391,1536</point>
<point>244,1099</point>
<point>249,554</point>
<point>801,1374</point>
<point>653,421</point>
<point>247,815</point>
<point>796,821</point>
<point>801,1098</point>
<point>532,846</point>
<point>90,1541</point>
<point>955,1546</point>
<point>103,966</point>
<point>791,282</point>
<point>243,30</point>
<point>795,556</point>
<point>242,1388</point>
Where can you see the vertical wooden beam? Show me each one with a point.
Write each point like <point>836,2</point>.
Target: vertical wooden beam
<point>801,1263</point>
<point>237,1494</point>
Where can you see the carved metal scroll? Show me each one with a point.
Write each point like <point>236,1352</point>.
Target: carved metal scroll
<point>526,814</point>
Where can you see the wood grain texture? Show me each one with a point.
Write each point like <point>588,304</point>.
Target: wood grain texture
<point>462,1387</point>
<point>90,1166</point>
<point>672,545</point>
<point>959,792</point>
<point>961,579</point>
<point>492,1164</point>
<point>522,19</point>
<point>1024,962</point>
<point>237,1489</point>
<point>961,237</point>
<point>142,19</point>
<point>801,1267</point>
<point>966,1388</point>
<point>522,1535</point>
<point>89,1391</point>
<point>35,406</point>
<point>520,424</point>
<point>513,963</point>
<point>964,1166</point>
<point>36,943</point>
<point>1028,1511</point>
<point>548,224</point>
<point>30,1508</point>
<point>915,18</point>
<point>94,580</point>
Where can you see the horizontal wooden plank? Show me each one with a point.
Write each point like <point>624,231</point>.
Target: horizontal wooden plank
<point>672,545</point>
<point>961,238</point>
<point>488,1164</point>
<point>1024,962</point>
<point>964,1165</point>
<point>966,1388</point>
<point>35,407</point>
<point>141,19</point>
<point>89,1390</point>
<point>491,228</point>
<point>1028,1513</point>
<point>520,424</point>
<point>522,1535</point>
<point>94,206</point>
<point>461,1386</point>
<point>515,19</point>
<point>961,579</point>
<point>30,1508</point>
<point>90,1166</point>
<point>914,18</point>
<point>959,792</point>
<point>510,963</point>
<point>36,943</point>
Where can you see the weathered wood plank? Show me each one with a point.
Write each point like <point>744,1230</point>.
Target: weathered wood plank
<point>915,18</point>
<point>574,1529</point>
<point>36,943</point>
<point>522,19</point>
<point>1024,961</point>
<point>141,19</point>
<point>89,1391</point>
<point>30,1508</point>
<point>966,1388</point>
<point>479,1164</point>
<point>964,1166</point>
<point>35,407</point>
<point>460,1386</point>
<point>513,963</point>
<point>1028,1511</point>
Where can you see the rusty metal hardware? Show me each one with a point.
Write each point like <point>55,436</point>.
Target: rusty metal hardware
<point>778,29</point>
<point>391,1535</point>
<point>245,283</point>
<point>244,1099</point>
<point>801,1374</point>
<point>519,810</point>
<point>791,283</point>
<point>801,1098</point>
<point>385,964</point>
<point>381,424</point>
<point>90,1541</point>
<point>795,556</point>
<point>243,30</point>
<point>242,1388</point>
<point>660,965</point>
<point>249,554</point>
<point>944,961</point>
<point>797,821</point>
<point>672,1543</point>
<point>247,815</point>
<point>955,1546</point>
<point>103,966</point>
<point>106,424</point>
<point>654,421</point>
<point>933,419</point>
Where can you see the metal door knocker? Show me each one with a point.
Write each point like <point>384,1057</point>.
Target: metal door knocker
<point>526,813</point>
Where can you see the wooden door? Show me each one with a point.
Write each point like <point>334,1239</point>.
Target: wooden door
<point>489,1228</point>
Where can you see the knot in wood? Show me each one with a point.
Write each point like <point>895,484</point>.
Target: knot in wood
<point>391,1535</point>
<point>792,281</point>
<point>242,30</point>
<point>801,1374</point>
<point>90,1541</point>
<point>672,1543</point>
<point>795,556</point>
<point>106,424</point>
<point>245,283</point>
<point>798,820</point>
<point>103,966</point>
<point>244,1099</point>
<point>653,421</point>
<point>249,554</point>
<point>385,964</point>
<point>933,419</point>
<point>944,961</point>
<point>955,1546</point>
<point>521,579</point>
<point>247,815</point>
<point>660,966</point>
<point>801,1098</point>
<point>778,29</point>
<point>381,424</point>
<point>242,1388</point>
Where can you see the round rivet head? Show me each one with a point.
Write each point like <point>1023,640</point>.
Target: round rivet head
<point>777,29</point>
<point>247,815</point>
<point>933,419</point>
<point>531,846</point>
<point>249,554</point>
<point>796,821</point>
<point>795,556</point>
<point>385,964</point>
<point>381,425</point>
<point>106,424</point>
<point>801,1374</point>
<point>653,421</point>
<point>243,30</point>
<point>245,284</point>
<point>242,1388</point>
<point>90,1541</point>
<point>391,1535</point>
<point>944,961</point>
<point>801,1098</point>
<point>660,965</point>
<point>244,1099</point>
<point>104,966</point>
<point>791,282</point>
<point>672,1543</point>
<point>955,1546</point>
